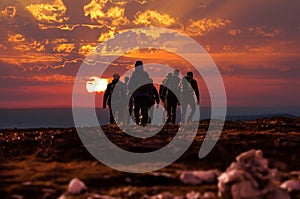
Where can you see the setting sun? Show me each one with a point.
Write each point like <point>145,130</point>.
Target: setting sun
<point>96,84</point>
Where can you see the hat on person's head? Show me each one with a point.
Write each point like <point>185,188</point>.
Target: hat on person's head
<point>138,63</point>
<point>189,74</point>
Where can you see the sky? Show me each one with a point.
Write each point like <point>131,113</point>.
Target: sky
<point>255,45</point>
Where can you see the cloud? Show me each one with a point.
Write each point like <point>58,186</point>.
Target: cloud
<point>262,32</point>
<point>234,32</point>
<point>65,47</point>
<point>9,11</point>
<point>48,13</point>
<point>203,26</point>
<point>114,16</point>
<point>16,38</point>
<point>87,49</point>
<point>153,17</point>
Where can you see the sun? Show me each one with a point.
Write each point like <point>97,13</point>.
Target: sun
<point>96,84</point>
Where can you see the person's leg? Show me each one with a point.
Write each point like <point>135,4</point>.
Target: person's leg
<point>130,108</point>
<point>169,112</point>
<point>144,110</point>
<point>137,107</point>
<point>174,106</point>
<point>183,111</point>
<point>193,109</point>
<point>111,116</point>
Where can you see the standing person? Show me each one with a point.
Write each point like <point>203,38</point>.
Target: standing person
<point>140,94</point>
<point>173,91</point>
<point>129,105</point>
<point>154,97</point>
<point>163,90</point>
<point>116,113</point>
<point>189,86</point>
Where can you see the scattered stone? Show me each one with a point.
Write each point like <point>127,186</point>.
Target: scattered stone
<point>291,185</point>
<point>165,195</point>
<point>199,177</point>
<point>76,187</point>
<point>209,195</point>
<point>249,177</point>
<point>193,195</point>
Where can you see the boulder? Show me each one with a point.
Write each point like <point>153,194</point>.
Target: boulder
<point>250,177</point>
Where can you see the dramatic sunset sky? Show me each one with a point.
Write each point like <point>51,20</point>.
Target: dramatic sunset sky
<point>255,44</point>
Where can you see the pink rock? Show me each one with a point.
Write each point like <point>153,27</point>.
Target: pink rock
<point>291,185</point>
<point>76,186</point>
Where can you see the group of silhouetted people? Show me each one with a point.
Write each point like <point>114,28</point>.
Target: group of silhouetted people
<point>138,95</point>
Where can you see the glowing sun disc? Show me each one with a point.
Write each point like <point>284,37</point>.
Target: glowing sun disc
<point>96,84</point>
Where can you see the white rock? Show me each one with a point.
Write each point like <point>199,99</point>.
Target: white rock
<point>193,195</point>
<point>76,186</point>
<point>291,185</point>
<point>250,177</point>
<point>209,195</point>
<point>199,177</point>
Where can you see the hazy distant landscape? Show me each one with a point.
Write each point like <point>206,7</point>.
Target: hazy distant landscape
<point>39,163</point>
<point>62,117</point>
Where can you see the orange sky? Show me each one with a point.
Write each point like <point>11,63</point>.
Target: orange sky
<point>255,44</point>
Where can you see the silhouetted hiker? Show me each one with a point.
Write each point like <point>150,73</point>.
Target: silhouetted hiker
<point>154,97</point>
<point>189,86</point>
<point>173,91</point>
<point>140,94</point>
<point>130,103</point>
<point>163,90</point>
<point>117,112</point>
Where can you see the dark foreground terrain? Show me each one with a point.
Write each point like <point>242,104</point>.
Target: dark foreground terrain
<point>39,163</point>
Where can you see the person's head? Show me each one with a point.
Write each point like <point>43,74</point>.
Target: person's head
<point>176,72</point>
<point>169,75</point>
<point>189,74</point>
<point>138,64</point>
<point>116,76</point>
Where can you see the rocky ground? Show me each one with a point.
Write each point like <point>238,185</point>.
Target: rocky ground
<point>40,163</point>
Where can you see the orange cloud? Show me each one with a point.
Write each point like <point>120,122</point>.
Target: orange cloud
<point>19,43</point>
<point>114,16</point>
<point>65,47</point>
<point>94,9</point>
<point>9,11</point>
<point>87,49</point>
<point>153,17</point>
<point>107,35</point>
<point>234,32</point>
<point>54,78</point>
<point>260,31</point>
<point>50,13</point>
<point>203,26</point>
<point>16,38</point>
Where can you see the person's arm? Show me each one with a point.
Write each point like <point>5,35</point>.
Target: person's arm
<point>106,94</point>
<point>195,87</point>
<point>131,83</point>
